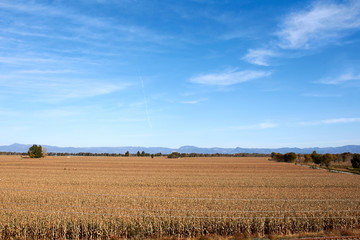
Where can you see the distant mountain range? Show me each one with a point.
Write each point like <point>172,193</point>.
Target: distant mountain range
<point>16,147</point>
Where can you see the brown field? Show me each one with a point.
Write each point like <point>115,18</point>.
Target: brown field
<point>138,197</point>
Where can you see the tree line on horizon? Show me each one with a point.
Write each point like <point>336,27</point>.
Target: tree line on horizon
<point>182,155</point>
<point>37,151</point>
<point>144,154</point>
<point>320,159</point>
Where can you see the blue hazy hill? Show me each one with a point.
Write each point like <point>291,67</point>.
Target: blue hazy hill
<point>16,147</point>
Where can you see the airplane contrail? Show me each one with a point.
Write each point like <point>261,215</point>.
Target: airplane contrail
<point>145,100</point>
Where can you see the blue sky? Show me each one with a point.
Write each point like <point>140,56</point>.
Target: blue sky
<point>173,73</point>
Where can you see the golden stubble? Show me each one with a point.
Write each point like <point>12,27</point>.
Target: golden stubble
<point>80,197</point>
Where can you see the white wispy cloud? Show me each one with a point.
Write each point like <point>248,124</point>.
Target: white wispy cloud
<point>340,79</point>
<point>321,23</point>
<point>341,120</point>
<point>47,71</point>
<point>320,95</point>
<point>83,35</point>
<point>229,77</point>
<point>259,56</point>
<point>259,126</point>
<point>26,60</point>
<point>53,89</point>
<point>84,89</point>
<point>23,7</point>
<point>48,10</point>
<point>266,125</point>
<point>59,113</point>
<point>91,29</point>
<point>193,101</point>
<point>331,121</point>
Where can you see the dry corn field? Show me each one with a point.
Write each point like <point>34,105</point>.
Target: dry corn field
<point>140,197</point>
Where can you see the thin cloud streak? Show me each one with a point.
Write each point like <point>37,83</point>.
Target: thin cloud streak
<point>115,32</point>
<point>260,126</point>
<point>320,95</point>
<point>229,77</point>
<point>340,79</point>
<point>46,72</point>
<point>146,102</point>
<point>57,89</point>
<point>25,60</point>
<point>331,121</point>
<point>60,113</point>
<point>259,56</point>
<point>319,25</point>
<point>341,120</point>
<point>192,102</point>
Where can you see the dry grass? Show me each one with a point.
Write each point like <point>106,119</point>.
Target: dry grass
<point>111,197</point>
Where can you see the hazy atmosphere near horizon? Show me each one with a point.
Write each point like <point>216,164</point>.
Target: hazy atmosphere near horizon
<point>170,73</point>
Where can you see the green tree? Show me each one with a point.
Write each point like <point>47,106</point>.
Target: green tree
<point>127,154</point>
<point>277,156</point>
<point>355,161</point>
<point>326,159</point>
<point>143,154</point>
<point>35,151</point>
<point>174,155</point>
<point>346,156</point>
<point>138,154</point>
<point>316,157</point>
<point>308,158</point>
<point>290,157</point>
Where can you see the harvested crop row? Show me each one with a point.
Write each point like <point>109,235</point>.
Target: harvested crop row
<point>95,197</point>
